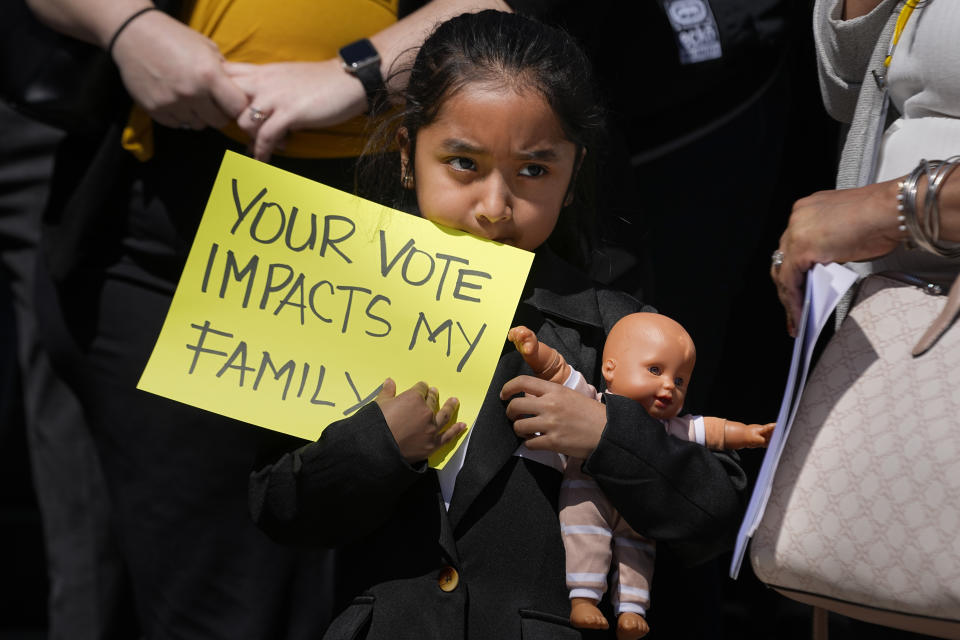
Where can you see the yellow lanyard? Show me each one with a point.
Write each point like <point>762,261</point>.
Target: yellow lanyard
<point>881,80</point>
<point>905,13</point>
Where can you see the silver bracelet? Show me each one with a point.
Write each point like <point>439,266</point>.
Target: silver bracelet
<point>907,205</point>
<point>925,233</point>
<point>932,207</point>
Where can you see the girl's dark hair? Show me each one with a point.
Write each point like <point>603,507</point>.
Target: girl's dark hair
<point>493,47</point>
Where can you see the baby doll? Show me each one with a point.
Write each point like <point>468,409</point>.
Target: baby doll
<point>647,357</point>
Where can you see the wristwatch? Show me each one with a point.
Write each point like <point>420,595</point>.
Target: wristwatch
<point>361,60</point>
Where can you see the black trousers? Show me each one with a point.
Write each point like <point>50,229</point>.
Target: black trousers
<point>88,595</point>
<point>177,475</point>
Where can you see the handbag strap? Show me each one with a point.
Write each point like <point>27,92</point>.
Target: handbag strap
<point>942,322</point>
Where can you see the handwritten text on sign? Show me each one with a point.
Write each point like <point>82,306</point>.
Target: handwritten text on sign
<point>298,300</point>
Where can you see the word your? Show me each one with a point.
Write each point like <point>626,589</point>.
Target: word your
<point>272,224</point>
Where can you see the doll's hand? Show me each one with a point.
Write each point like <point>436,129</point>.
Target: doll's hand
<point>418,424</point>
<point>747,436</point>
<point>554,418</point>
<point>524,339</point>
<point>545,361</point>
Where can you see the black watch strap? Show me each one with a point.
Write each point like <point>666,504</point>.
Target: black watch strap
<point>361,59</point>
<point>372,81</point>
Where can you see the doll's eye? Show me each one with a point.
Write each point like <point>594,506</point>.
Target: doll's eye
<point>655,370</point>
<point>678,383</point>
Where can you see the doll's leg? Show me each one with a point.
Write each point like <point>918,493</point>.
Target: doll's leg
<point>586,538</point>
<point>634,556</point>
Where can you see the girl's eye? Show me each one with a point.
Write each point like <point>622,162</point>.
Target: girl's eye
<point>655,370</point>
<point>462,164</point>
<point>533,170</point>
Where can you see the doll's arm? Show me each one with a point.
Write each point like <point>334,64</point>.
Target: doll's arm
<point>546,362</point>
<point>730,435</point>
<point>676,492</point>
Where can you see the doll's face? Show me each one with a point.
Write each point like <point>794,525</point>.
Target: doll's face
<point>650,358</point>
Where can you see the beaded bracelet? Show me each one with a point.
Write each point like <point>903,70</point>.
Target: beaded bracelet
<point>907,205</point>
<point>901,215</point>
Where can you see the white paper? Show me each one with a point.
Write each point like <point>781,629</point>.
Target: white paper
<point>826,284</point>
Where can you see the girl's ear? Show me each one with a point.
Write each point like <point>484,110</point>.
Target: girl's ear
<point>609,365</point>
<point>568,199</point>
<point>406,162</point>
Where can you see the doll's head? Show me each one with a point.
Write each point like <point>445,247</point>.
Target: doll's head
<point>649,357</point>
<point>498,114</point>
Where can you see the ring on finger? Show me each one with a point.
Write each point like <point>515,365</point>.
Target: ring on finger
<point>776,259</point>
<point>257,115</point>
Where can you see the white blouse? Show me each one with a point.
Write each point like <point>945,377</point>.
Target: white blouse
<point>924,82</point>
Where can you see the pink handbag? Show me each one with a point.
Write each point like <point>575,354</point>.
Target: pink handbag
<point>864,512</point>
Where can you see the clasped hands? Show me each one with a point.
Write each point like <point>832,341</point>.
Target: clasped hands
<point>180,78</point>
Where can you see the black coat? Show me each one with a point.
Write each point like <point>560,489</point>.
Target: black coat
<point>352,489</point>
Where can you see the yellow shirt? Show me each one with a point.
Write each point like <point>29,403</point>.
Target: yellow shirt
<point>289,30</point>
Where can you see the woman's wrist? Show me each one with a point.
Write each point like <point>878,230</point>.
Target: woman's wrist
<point>126,23</point>
<point>352,90</point>
<point>113,21</point>
<point>890,204</point>
<point>927,207</point>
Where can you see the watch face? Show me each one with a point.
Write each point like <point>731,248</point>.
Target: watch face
<point>359,54</point>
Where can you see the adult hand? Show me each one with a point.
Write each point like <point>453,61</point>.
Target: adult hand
<point>293,96</point>
<point>834,226</point>
<point>554,418</point>
<point>176,74</point>
<point>418,424</point>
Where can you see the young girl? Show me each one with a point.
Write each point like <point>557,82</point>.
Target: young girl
<point>498,117</point>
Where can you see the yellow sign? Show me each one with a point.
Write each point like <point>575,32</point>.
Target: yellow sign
<point>298,300</point>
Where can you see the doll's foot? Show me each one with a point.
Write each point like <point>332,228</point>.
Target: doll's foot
<point>631,626</point>
<point>585,615</point>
